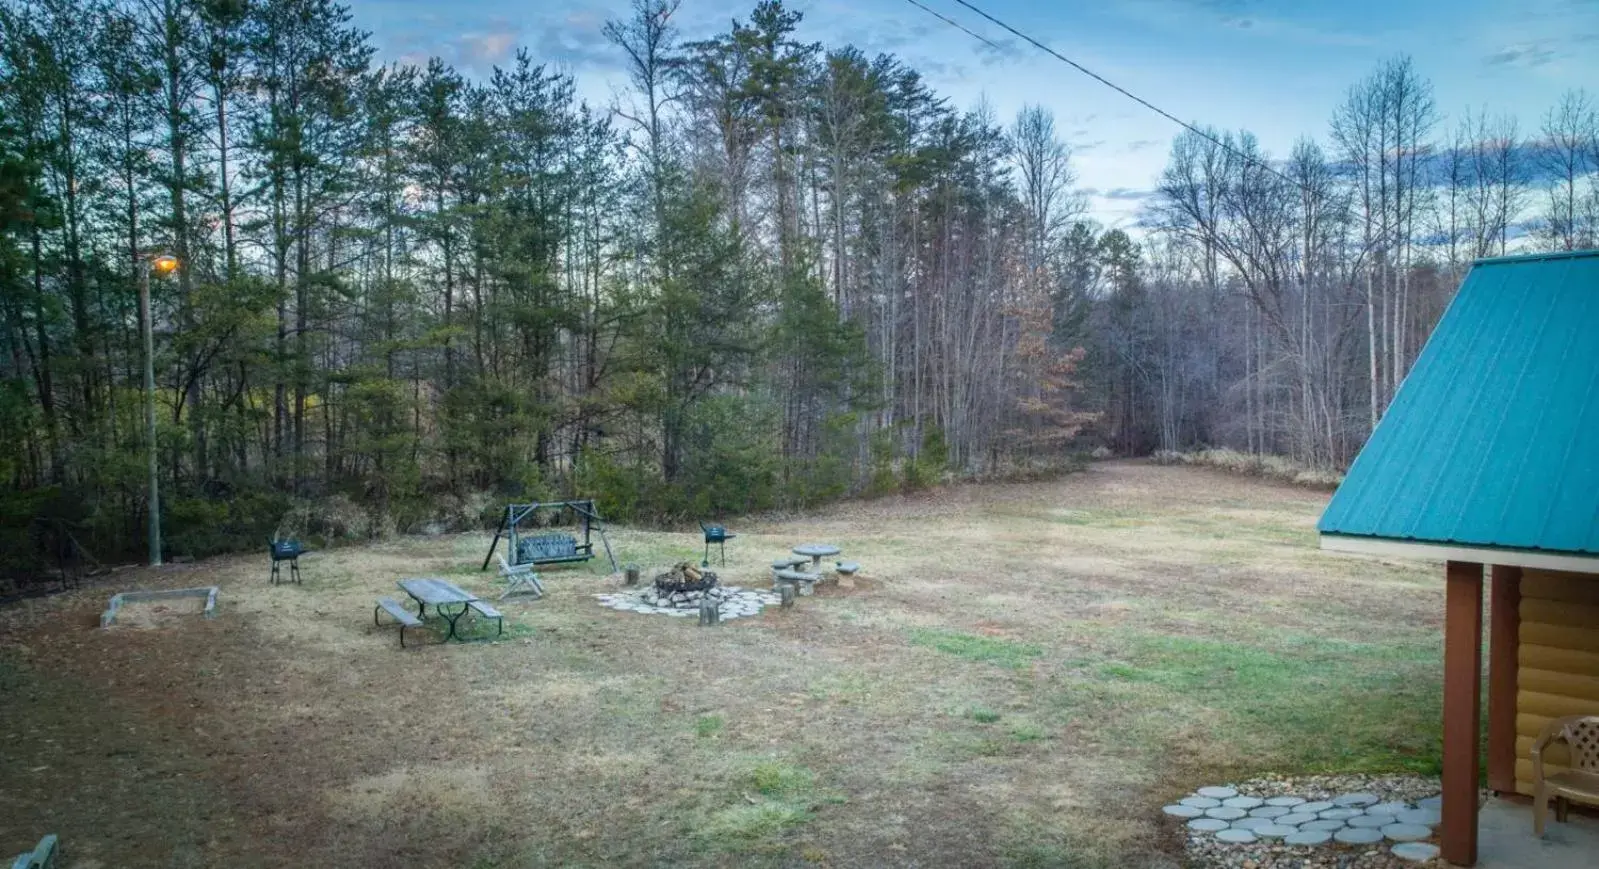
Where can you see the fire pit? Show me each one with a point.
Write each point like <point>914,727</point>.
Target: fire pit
<point>684,577</point>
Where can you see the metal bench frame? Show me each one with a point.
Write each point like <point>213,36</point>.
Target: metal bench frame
<point>401,615</point>
<point>486,611</point>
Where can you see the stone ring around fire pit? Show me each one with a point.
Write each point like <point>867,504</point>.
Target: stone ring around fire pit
<point>679,591</point>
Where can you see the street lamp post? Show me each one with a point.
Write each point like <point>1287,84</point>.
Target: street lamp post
<point>163,265</point>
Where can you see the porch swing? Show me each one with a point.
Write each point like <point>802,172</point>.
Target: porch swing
<point>549,547</point>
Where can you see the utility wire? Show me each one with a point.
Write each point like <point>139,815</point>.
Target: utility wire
<point>957,25</point>
<point>1107,83</point>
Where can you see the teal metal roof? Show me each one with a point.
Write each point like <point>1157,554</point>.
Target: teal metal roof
<point>1493,439</point>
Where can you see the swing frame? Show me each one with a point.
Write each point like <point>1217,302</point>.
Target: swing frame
<point>516,514</point>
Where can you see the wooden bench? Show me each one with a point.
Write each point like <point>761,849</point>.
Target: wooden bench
<point>400,613</point>
<point>520,578</point>
<point>43,856</point>
<point>489,612</point>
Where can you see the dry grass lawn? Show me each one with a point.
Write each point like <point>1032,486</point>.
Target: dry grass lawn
<point>1021,676</point>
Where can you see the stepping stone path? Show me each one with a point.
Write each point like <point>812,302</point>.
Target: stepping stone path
<point>1358,819</point>
<point>1406,832</point>
<point>1358,836</point>
<point>1420,852</point>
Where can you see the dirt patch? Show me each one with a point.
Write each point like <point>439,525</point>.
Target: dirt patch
<point>159,613</point>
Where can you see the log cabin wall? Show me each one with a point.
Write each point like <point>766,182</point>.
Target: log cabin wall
<point>1557,659</point>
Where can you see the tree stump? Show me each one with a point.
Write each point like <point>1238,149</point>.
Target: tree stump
<point>631,576</point>
<point>786,590</point>
<point>710,611</point>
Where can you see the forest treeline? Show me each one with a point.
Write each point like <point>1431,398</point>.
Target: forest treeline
<point>771,273</point>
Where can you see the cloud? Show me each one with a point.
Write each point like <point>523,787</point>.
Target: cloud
<point>1527,55</point>
<point>484,50</point>
<point>991,55</point>
<point>1137,145</point>
<point>1127,194</point>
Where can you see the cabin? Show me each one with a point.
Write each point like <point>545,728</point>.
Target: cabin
<point>1488,461</point>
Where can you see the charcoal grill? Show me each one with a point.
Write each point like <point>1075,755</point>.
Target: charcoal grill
<point>718,535</point>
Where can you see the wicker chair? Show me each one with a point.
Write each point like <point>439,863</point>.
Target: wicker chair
<point>1580,782</point>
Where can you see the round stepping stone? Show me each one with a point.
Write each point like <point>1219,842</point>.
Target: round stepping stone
<point>1235,836</point>
<point>1341,814</point>
<point>1422,817</point>
<point>1315,807</point>
<point>1431,803</point>
<point>1181,811</point>
<point>1210,825</point>
<point>1286,802</point>
<point>1251,823</point>
<point>1294,819</point>
<point>1406,832</point>
<point>1275,831</point>
<point>1225,813</point>
<point>1242,802</point>
<point>1268,812</point>
<point>1371,822</point>
<point>1358,801</point>
<point>1420,852</point>
<point>1217,793</point>
<point>1387,809</point>
<point>1200,802</point>
<point>1308,837</point>
<point>1356,836</point>
<point>1322,826</point>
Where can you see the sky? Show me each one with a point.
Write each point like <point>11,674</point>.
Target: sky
<point>1278,69</point>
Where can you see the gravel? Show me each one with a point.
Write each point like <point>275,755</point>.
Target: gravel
<point>1205,851</point>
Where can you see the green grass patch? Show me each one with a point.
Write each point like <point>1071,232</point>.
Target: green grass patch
<point>1291,701</point>
<point>1026,731</point>
<point>971,647</point>
<point>748,824</point>
<point>781,780</point>
<point>708,725</point>
<point>982,715</point>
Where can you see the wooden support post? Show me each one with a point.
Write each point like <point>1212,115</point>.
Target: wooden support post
<point>1504,642</point>
<point>786,594</point>
<point>1462,710</point>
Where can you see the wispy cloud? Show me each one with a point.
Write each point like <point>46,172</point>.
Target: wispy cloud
<point>1137,145</point>
<point>1127,194</point>
<point>1527,55</point>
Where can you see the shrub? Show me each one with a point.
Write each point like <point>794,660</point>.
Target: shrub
<point>1270,467</point>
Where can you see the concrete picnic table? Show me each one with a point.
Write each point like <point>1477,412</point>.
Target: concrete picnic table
<point>440,593</point>
<point>816,551</point>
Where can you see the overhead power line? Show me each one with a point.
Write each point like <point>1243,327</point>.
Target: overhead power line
<point>1104,81</point>
<point>957,25</point>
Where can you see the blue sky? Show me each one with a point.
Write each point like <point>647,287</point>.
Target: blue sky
<point>1277,69</point>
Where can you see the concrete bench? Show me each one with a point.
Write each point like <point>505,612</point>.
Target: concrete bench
<point>489,612</point>
<point>790,562</point>
<point>400,614</point>
<point>804,582</point>
<point>43,855</point>
<point>848,568</point>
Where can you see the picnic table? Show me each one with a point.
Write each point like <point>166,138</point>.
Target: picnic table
<point>816,551</point>
<point>440,594</point>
